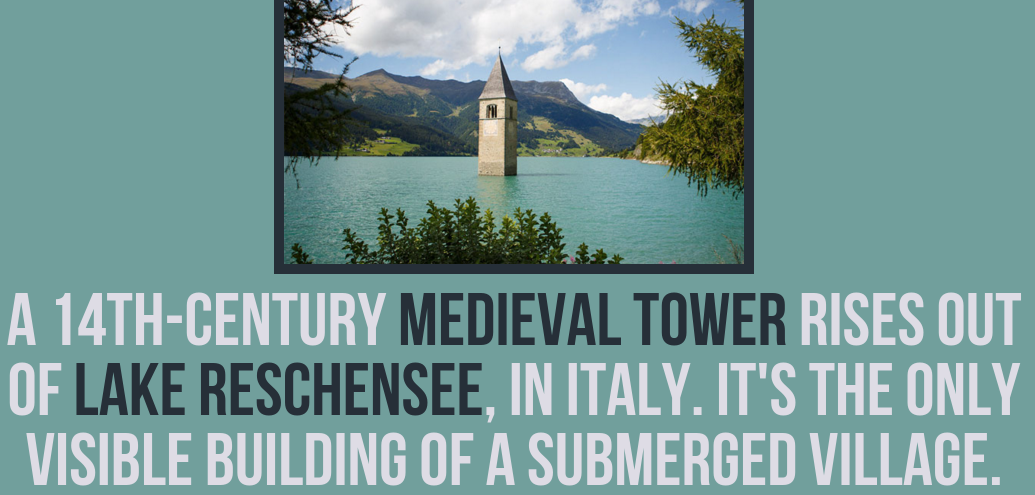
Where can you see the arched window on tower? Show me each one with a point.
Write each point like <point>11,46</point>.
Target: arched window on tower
<point>510,113</point>
<point>490,112</point>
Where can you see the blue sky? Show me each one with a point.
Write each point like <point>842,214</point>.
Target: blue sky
<point>611,53</point>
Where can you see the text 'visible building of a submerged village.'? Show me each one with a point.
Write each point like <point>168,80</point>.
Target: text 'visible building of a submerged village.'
<point>497,124</point>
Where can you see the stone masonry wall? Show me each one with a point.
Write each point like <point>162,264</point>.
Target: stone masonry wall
<point>497,138</point>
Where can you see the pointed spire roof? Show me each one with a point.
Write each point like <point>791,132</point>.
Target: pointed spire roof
<point>498,85</point>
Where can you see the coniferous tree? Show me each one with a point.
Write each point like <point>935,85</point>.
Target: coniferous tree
<point>703,137</point>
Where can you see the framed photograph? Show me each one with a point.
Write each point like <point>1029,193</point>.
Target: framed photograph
<point>547,138</point>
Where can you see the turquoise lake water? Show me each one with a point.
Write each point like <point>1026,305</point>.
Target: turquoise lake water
<point>622,206</point>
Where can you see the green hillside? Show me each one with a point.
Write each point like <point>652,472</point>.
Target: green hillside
<point>384,145</point>
<point>440,118</point>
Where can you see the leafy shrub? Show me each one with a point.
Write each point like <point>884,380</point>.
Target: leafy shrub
<point>299,256</point>
<point>464,235</point>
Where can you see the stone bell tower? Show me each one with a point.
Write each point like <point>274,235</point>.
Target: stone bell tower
<point>497,125</point>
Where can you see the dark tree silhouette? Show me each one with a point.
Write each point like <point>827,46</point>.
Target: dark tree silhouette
<point>313,124</point>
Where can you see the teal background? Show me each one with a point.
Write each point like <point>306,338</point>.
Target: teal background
<point>890,156</point>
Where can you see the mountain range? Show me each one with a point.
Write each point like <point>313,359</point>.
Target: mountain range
<point>435,117</point>
<point>652,120</point>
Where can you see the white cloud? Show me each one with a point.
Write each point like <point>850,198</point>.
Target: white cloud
<point>695,6</point>
<point>608,14</point>
<point>584,51</point>
<point>626,107</point>
<point>436,67</point>
<point>550,57</point>
<point>582,90</point>
<point>462,32</point>
<point>556,56</point>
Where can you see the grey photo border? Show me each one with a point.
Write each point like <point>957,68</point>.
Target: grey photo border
<point>748,267</point>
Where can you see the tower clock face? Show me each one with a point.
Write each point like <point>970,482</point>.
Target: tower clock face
<point>491,127</point>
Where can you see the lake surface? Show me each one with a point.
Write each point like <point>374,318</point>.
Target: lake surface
<point>621,206</point>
